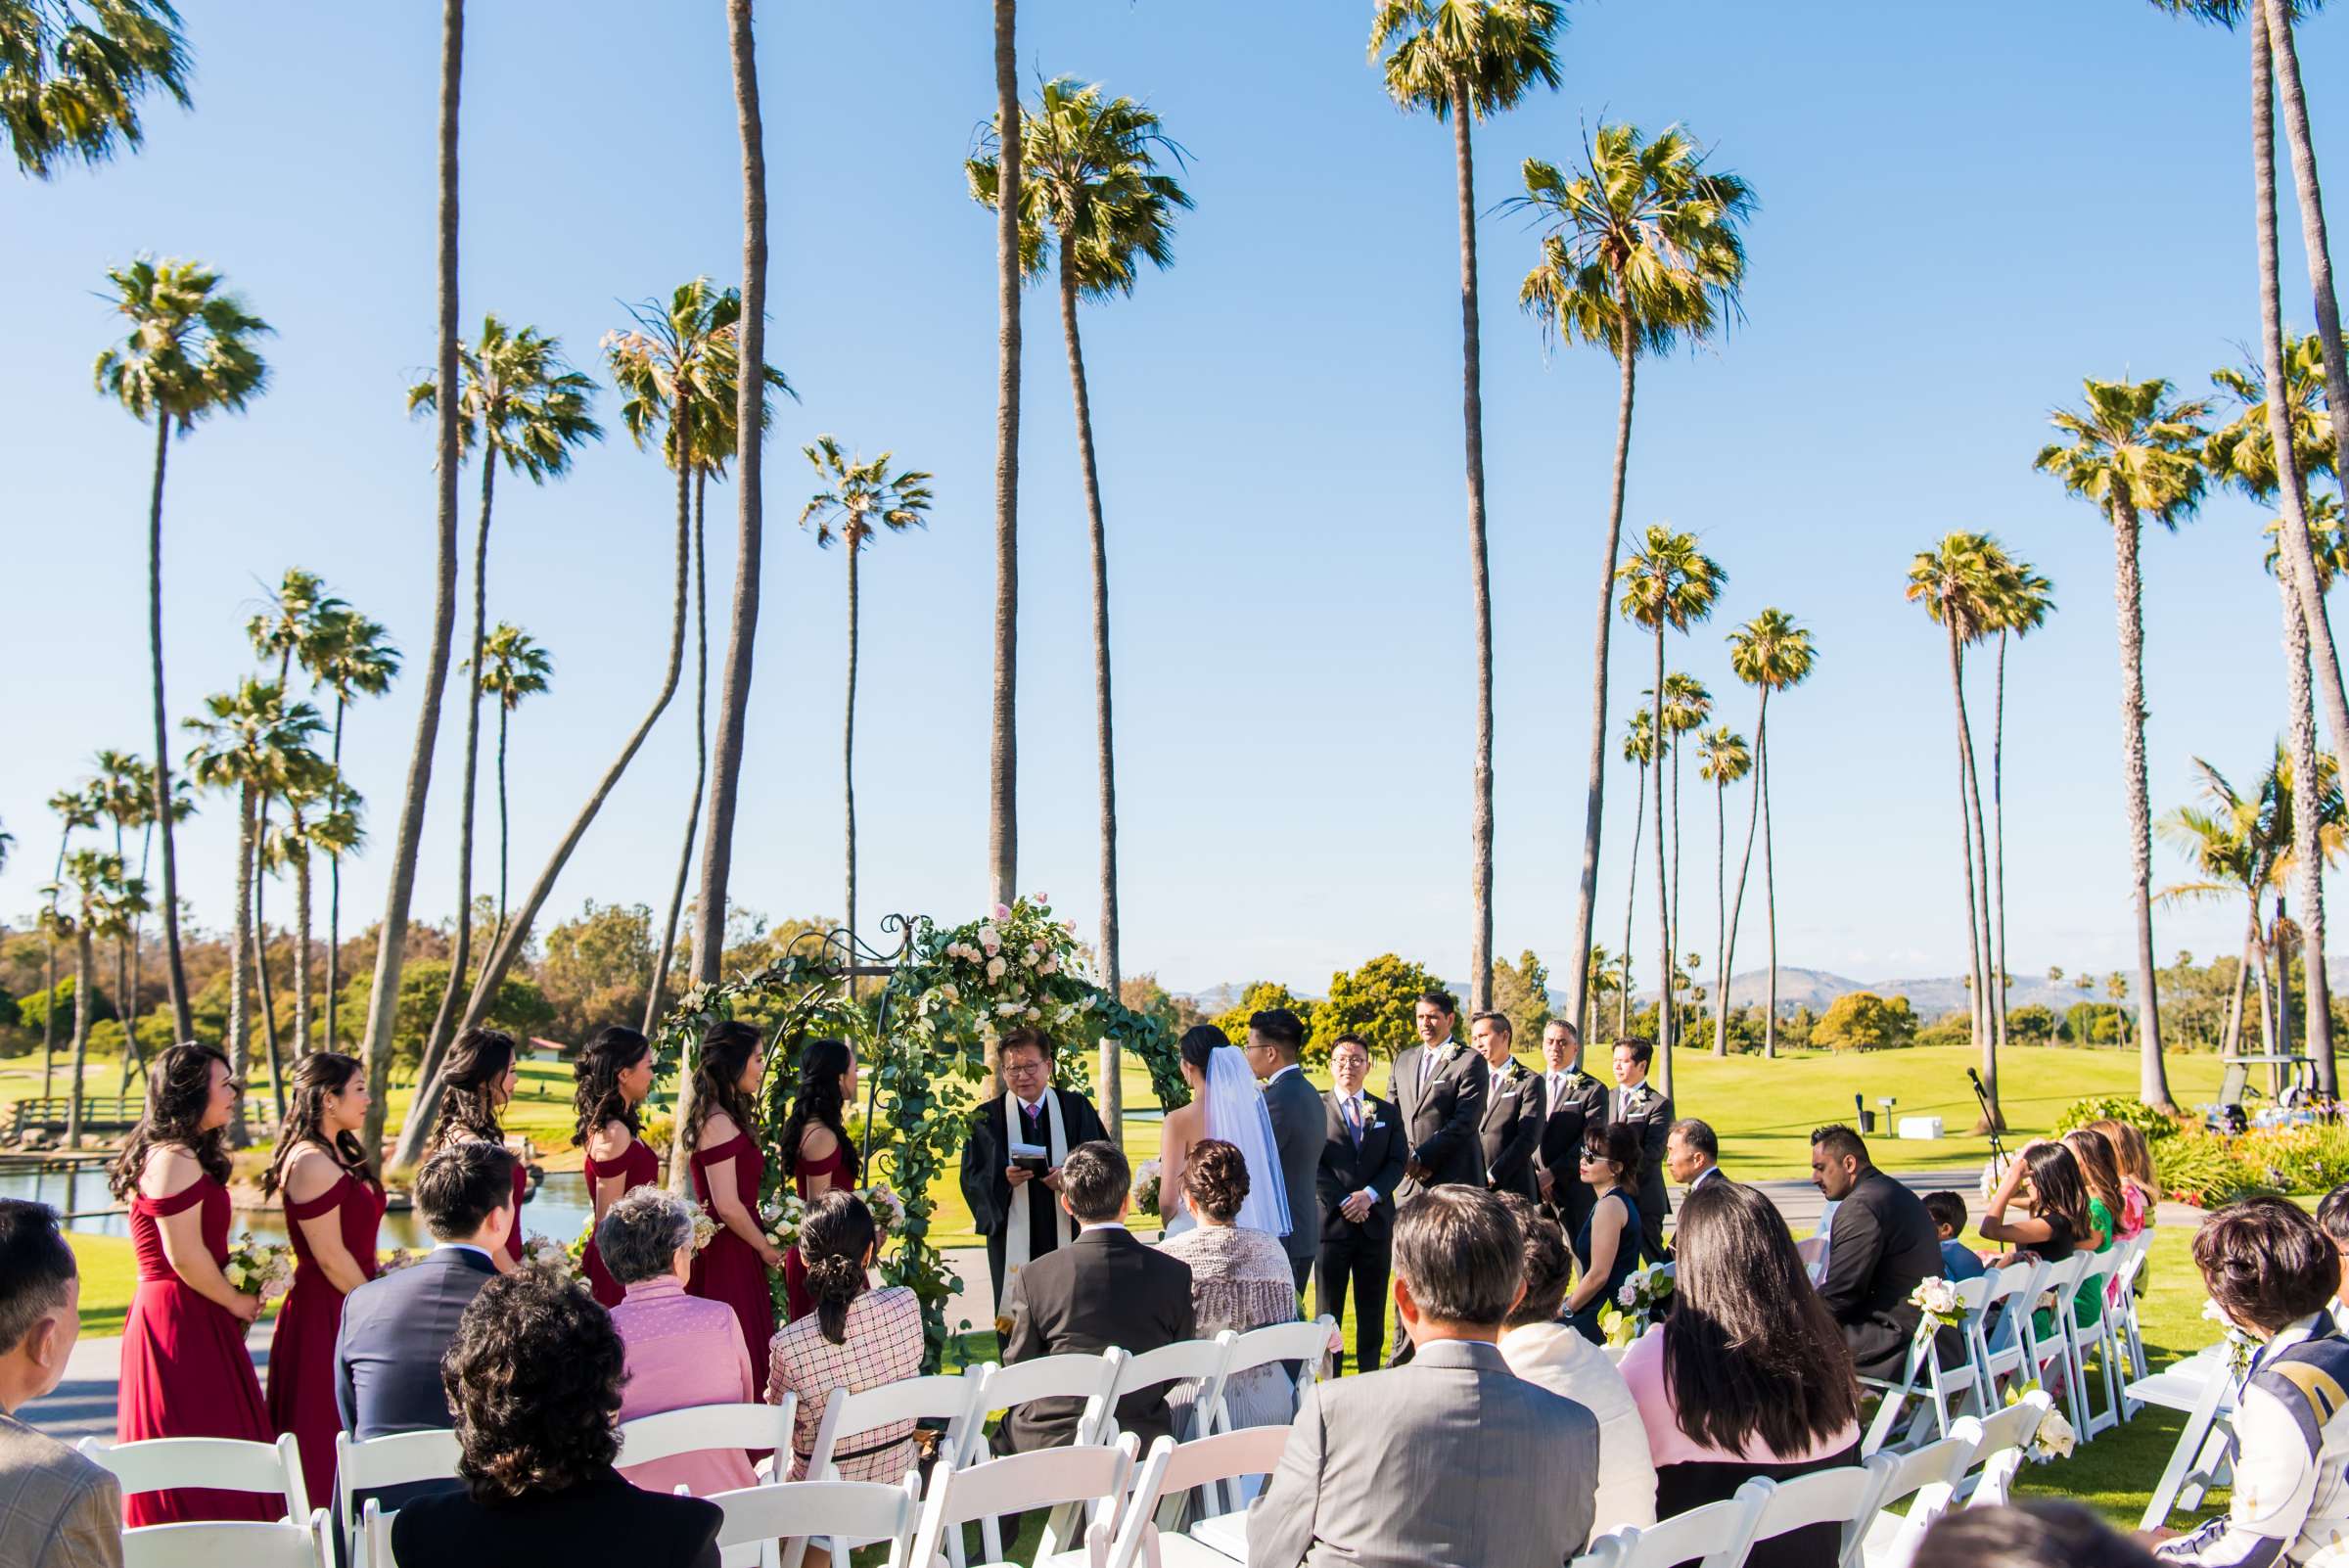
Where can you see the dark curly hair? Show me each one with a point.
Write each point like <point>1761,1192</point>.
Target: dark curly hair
<point>315,1077</point>
<point>822,1064</point>
<point>727,1047</point>
<point>834,1238</point>
<point>469,1107</point>
<point>533,1378</point>
<point>1215,1178</point>
<point>180,1089</point>
<point>614,1049</point>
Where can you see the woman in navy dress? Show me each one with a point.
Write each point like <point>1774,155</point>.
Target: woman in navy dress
<point>1607,1247</point>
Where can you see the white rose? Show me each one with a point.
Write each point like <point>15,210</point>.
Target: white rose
<point>995,968</point>
<point>2055,1435</point>
<point>1033,1015</point>
<point>1007,1009</point>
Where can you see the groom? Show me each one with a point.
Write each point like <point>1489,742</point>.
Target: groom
<point>1015,1204</point>
<point>1300,1126</point>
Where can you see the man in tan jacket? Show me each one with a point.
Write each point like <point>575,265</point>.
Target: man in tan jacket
<point>57,1510</point>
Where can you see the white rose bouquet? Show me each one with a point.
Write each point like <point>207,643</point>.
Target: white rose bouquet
<point>255,1269</point>
<point>1638,1302</point>
<point>1146,1178</point>
<point>705,1229</point>
<point>553,1259</point>
<point>888,1209</point>
<point>1938,1299</point>
<point>781,1220</point>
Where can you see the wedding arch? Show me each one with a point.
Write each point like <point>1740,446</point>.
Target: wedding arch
<point>922,1037</point>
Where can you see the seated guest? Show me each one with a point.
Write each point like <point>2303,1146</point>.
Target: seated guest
<point>1880,1247</point>
<point>2140,1188</point>
<point>1749,1374</point>
<point>1106,1288</point>
<point>681,1350</point>
<point>1692,1154</point>
<point>1958,1260</point>
<point>1451,1459</point>
<point>2040,1534</point>
<point>1607,1248</point>
<point>856,1338</point>
<point>397,1327</point>
<point>2272,1272</point>
<point>1241,1279</point>
<point>2057,1220</point>
<point>2332,1218</point>
<point>1541,1349</point>
<point>60,1511</point>
<point>534,1378</point>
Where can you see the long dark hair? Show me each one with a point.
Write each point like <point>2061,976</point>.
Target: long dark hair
<point>180,1089</point>
<point>468,1107</point>
<point>614,1049</point>
<point>2098,1168</point>
<point>2058,1196</point>
<point>315,1077</point>
<point>1749,1350</point>
<point>834,1238</point>
<point>1200,1044</point>
<point>822,1064</point>
<point>727,1047</point>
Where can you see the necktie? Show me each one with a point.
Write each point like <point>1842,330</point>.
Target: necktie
<point>1354,1120</point>
<point>1557,1089</point>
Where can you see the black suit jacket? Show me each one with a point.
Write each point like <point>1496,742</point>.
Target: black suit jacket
<point>1107,1289</point>
<point>986,1155</point>
<point>1559,1152</point>
<point>1440,1123</point>
<point>602,1520</point>
<point>1511,1128</point>
<point>1880,1245</point>
<point>1345,1170</point>
<point>1651,1120</point>
<point>1296,1111</point>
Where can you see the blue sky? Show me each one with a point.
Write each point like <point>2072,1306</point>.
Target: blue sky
<point>1964,209</point>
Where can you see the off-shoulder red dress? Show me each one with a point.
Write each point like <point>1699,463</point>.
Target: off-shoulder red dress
<point>637,1166</point>
<point>796,1299</point>
<point>185,1368</point>
<point>727,1269</point>
<point>301,1358</point>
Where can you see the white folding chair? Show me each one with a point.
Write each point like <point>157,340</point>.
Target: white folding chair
<point>1083,1475</point>
<point>371,1464</point>
<point>1194,1361</point>
<point>1928,1478</point>
<point>2005,1439</point>
<point>1844,1496</point>
<point>225,1464</point>
<point>1715,1535</point>
<point>1066,1376</point>
<point>694,1428</point>
<point>760,1519</point>
<point>1996,1337</point>
<point>287,1544</point>
<point>1307,1344</point>
<point>2048,1358</point>
<point>375,1528</point>
<point>1923,1380</point>
<point>2120,1308</point>
<point>1205,1465</point>
<point>2095,1334</point>
<point>952,1399</point>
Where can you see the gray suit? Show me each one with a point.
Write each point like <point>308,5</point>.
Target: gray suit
<point>1300,1129</point>
<point>57,1510</point>
<point>1452,1460</point>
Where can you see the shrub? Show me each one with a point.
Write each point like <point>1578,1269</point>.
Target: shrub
<point>2125,1108</point>
<point>2031,1026</point>
<point>2299,1158</point>
<point>1862,1021</point>
<point>2204,1170</point>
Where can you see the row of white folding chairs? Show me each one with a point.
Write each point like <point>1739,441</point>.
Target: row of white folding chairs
<point>225,1464</point>
<point>1859,1499</point>
<point>293,1542</point>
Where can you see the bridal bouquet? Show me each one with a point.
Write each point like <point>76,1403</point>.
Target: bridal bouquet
<point>1639,1303</point>
<point>553,1259</point>
<point>1145,1187</point>
<point>781,1220</point>
<point>255,1269</point>
<point>888,1209</point>
<point>1937,1298</point>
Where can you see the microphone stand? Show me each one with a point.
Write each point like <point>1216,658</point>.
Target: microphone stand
<point>1998,1150</point>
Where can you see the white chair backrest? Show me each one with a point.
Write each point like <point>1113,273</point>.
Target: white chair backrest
<point>1226,1457</point>
<point>287,1544</point>
<point>1926,1478</point>
<point>391,1461</point>
<point>2006,1436</point>
<point>1064,1376</point>
<point>1284,1342</point>
<point>1121,1541</point>
<point>2065,1275</point>
<point>1938,1463</point>
<point>226,1464</point>
<point>696,1427</point>
<point>1044,1478</point>
<point>950,1398</point>
<point>860,1511</point>
<point>1714,1536</point>
<point>1203,1360</point>
<point>1844,1495</point>
<point>375,1531</point>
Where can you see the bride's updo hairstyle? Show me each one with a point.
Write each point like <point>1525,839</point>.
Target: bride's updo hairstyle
<point>1215,1178</point>
<point>1200,1044</point>
<point>834,1238</point>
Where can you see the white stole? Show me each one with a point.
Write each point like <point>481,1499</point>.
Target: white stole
<point>1016,1239</point>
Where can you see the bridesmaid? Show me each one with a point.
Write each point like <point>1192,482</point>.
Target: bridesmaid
<point>819,1153</point>
<point>727,1172</point>
<point>481,1081</point>
<point>333,1206</point>
<point>185,1368</point>
<point>615,1073</point>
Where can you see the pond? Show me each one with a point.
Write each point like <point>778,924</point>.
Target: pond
<point>557,1208</point>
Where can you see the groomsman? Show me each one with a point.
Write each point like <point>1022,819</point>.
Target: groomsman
<point>1362,1164</point>
<point>1649,1114</point>
<point>1016,1203</point>
<point>1439,1088</point>
<point>1572,1099</point>
<point>1511,1128</point>
<point>1275,1039</point>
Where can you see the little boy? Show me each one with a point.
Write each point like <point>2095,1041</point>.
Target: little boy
<point>1958,1261</point>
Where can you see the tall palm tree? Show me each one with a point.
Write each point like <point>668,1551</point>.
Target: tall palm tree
<point>1723,760</point>
<point>391,937</point>
<point>190,353</point>
<point>1464,59</point>
<point>1644,249</point>
<point>1667,583</point>
<point>1770,654</point>
<point>2022,604</point>
<point>354,658</point>
<point>125,794</point>
<point>859,497</point>
<point>513,667</point>
<point>1002,741</point>
<point>322,818</point>
<point>75,809</point>
<point>252,741</point>
<point>1640,750</point>
<point>1685,707</point>
<point>71,84</point>
<point>1094,202</point>
<point>107,898</point>
<point>2135,454</point>
<point>523,402</point>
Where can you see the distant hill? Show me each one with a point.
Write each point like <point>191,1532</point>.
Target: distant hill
<point>1929,999</point>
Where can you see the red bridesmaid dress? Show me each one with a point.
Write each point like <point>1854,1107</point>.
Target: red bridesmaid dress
<point>797,1299</point>
<point>185,1368</point>
<point>301,1358</point>
<point>727,1269</point>
<point>637,1166</point>
<point>522,1191</point>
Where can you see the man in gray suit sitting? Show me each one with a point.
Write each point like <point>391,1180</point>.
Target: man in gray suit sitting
<point>1451,1461</point>
<point>57,1510</point>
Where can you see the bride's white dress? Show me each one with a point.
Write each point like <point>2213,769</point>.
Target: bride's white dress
<point>1237,1113</point>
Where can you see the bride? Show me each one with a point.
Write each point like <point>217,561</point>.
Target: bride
<point>1225,1104</point>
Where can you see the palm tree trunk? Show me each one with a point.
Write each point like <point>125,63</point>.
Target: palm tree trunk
<point>1998,858</point>
<point>301,953</point>
<point>130,1036</point>
<point>510,942</point>
<point>2235,1005</point>
<point>1630,898</point>
<point>437,1039</point>
<point>2266,1016</point>
<point>700,748</point>
<point>847,751</point>
<point>126,1005</point>
<point>1108,1085</point>
<point>261,965</point>
<point>81,1023</point>
<point>334,902</point>
<point>1472,414</point>
<point>2307,853</point>
<point>2281,946</point>
<point>1770,904</point>
<point>176,974</point>
<point>392,938</point>
<point>1586,904</point>
<point>240,964</point>
<point>1002,767</point>
<point>1664,1019</point>
<point>1676,849</point>
<point>734,695</point>
<point>2153,1083</point>
<point>1976,940</point>
<point>49,982</point>
<point>1721,917</point>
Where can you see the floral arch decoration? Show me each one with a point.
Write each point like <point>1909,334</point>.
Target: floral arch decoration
<point>923,1039</point>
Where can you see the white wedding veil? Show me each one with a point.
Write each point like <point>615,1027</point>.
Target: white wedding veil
<point>1237,1113</point>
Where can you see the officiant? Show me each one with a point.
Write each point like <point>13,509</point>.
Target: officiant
<point>1011,1165</point>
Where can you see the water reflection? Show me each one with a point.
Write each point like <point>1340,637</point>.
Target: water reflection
<point>557,1208</point>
